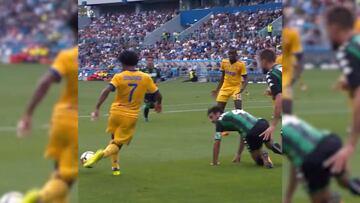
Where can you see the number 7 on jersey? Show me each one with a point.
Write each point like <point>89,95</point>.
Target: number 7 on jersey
<point>133,86</point>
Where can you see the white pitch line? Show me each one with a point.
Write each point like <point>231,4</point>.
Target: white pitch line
<point>13,128</point>
<point>257,101</point>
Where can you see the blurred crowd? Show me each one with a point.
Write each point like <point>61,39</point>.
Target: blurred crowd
<point>34,30</point>
<point>194,4</point>
<point>107,35</point>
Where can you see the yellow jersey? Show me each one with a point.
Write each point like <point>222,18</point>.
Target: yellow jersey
<point>357,26</point>
<point>291,45</point>
<point>233,73</point>
<point>65,66</point>
<point>279,59</point>
<point>130,87</point>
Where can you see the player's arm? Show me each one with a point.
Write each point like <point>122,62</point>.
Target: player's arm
<point>103,95</point>
<point>275,90</point>
<point>44,84</point>
<point>244,83</point>
<point>238,153</point>
<point>291,187</point>
<point>355,130</point>
<point>158,101</point>
<point>339,161</point>
<point>153,89</point>
<point>215,92</point>
<point>216,149</point>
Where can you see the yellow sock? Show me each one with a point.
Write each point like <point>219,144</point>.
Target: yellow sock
<point>55,188</point>
<point>115,161</point>
<point>110,150</point>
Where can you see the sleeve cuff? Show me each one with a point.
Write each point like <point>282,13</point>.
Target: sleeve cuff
<point>112,87</point>
<point>56,74</point>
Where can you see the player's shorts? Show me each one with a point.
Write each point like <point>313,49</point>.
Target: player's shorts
<point>149,100</point>
<point>316,175</point>
<point>254,142</point>
<point>63,145</point>
<point>122,127</point>
<point>227,92</point>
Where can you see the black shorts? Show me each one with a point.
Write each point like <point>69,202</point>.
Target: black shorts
<point>149,98</point>
<point>254,142</point>
<point>316,175</point>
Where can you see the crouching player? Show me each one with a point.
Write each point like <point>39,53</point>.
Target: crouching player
<point>307,148</point>
<point>249,127</point>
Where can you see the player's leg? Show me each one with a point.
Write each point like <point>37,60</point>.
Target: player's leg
<point>238,104</point>
<point>323,196</point>
<point>255,142</point>
<point>222,105</point>
<point>57,188</point>
<point>222,98</point>
<point>115,166</point>
<point>237,99</point>
<point>66,167</point>
<point>147,106</point>
<point>316,176</point>
<point>146,112</point>
<point>259,128</point>
<point>287,103</point>
<point>261,158</point>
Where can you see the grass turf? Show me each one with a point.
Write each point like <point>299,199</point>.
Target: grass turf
<point>22,165</point>
<point>324,108</point>
<point>168,159</point>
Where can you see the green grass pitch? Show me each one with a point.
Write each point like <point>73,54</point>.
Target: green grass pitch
<point>22,166</point>
<point>168,159</point>
<point>324,108</point>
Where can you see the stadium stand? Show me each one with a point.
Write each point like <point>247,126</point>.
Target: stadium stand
<point>199,41</point>
<point>27,33</point>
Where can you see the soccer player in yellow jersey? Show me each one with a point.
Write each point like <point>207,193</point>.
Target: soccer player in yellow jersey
<point>63,140</point>
<point>130,86</point>
<point>292,50</point>
<point>233,81</point>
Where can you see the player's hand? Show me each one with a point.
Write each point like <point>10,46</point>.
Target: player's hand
<point>268,133</point>
<point>214,164</point>
<point>214,93</point>
<point>338,161</point>
<point>236,159</point>
<point>95,115</point>
<point>341,84</point>
<point>24,126</point>
<point>158,108</point>
<point>267,92</point>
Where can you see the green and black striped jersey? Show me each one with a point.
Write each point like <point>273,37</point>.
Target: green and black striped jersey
<point>299,139</point>
<point>274,80</point>
<point>235,120</point>
<point>153,72</point>
<point>348,57</point>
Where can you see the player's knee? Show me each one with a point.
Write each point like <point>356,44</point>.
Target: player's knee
<point>68,175</point>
